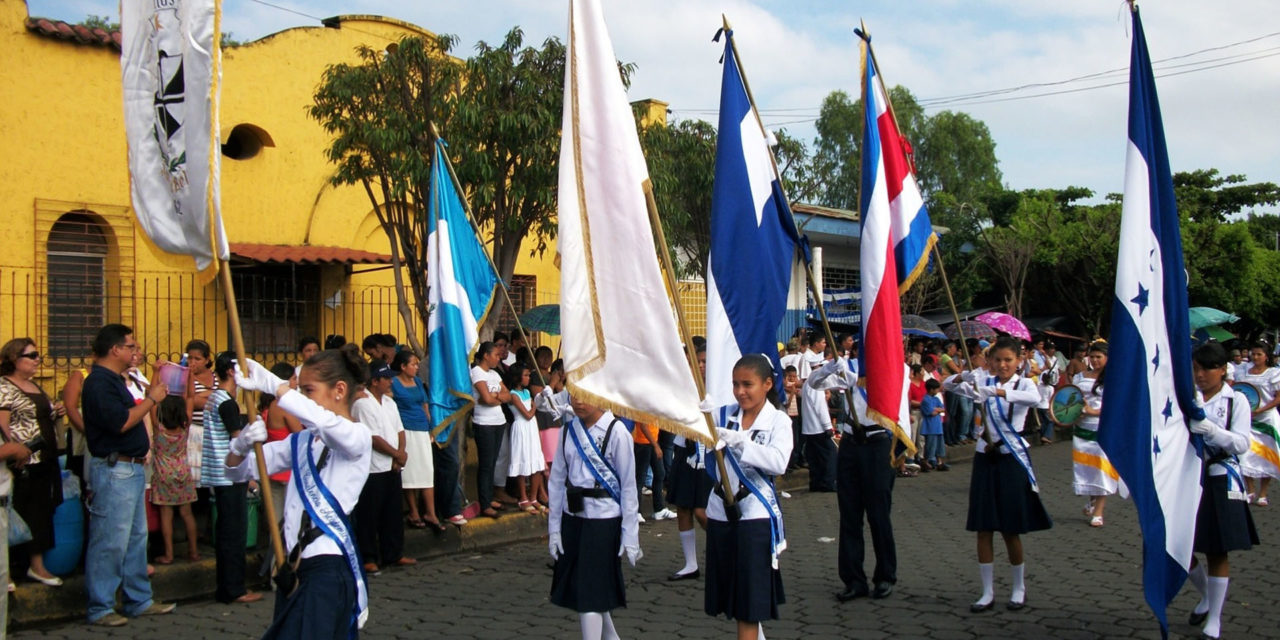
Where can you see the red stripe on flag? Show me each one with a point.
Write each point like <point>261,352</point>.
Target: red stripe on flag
<point>896,167</point>
<point>883,345</point>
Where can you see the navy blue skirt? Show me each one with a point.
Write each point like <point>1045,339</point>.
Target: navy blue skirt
<point>1001,499</point>
<point>322,605</point>
<point>741,581</point>
<point>690,487</point>
<point>1223,524</point>
<point>588,575</point>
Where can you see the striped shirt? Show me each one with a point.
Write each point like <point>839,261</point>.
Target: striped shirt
<point>220,420</point>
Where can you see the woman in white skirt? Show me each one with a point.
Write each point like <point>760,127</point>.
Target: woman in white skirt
<point>526,447</point>
<point>418,476</point>
<point>1262,462</point>
<point>1094,475</point>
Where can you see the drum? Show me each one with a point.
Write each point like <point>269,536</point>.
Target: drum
<point>1249,391</point>
<point>1066,406</point>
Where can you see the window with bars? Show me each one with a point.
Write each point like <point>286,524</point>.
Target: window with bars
<point>524,296</point>
<point>76,265</point>
<point>278,304</point>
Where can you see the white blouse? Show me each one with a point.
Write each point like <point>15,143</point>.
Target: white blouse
<point>767,450</point>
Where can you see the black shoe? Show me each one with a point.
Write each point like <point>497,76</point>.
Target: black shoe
<point>943,467</point>
<point>1015,606</point>
<point>1205,636</point>
<point>979,608</point>
<point>883,590</point>
<point>1197,619</point>
<point>851,593</point>
<point>692,575</point>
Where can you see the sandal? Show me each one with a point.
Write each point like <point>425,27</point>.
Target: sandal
<point>415,524</point>
<point>527,506</point>
<point>435,525</point>
<point>1096,522</point>
<point>490,513</point>
<point>457,520</point>
<point>1262,502</point>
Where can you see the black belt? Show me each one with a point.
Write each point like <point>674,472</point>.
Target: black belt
<point>868,435</point>
<point>596,492</point>
<point>113,458</point>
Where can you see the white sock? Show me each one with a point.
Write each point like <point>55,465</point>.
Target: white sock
<point>1019,583</point>
<point>759,631</point>
<point>986,570</point>
<point>591,623</point>
<point>609,632</point>
<point>1197,576</point>
<point>1217,597</point>
<point>689,544</point>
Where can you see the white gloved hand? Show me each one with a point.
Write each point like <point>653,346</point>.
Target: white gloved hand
<point>555,546</point>
<point>730,438</point>
<point>1203,427</point>
<point>254,433</point>
<point>548,396</point>
<point>633,554</point>
<point>832,367</point>
<point>258,378</point>
<point>967,375</point>
<point>985,393</point>
<point>707,405</point>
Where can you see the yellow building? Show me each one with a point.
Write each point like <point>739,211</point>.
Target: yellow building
<point>308,258</point>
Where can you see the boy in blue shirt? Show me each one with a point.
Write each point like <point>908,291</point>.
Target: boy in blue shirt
<point>931,410</point>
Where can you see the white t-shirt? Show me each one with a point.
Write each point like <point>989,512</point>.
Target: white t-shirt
<point>383,420</point>
<point>487,414</point>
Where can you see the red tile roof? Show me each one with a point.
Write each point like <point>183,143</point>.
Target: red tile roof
<point>280,254</point>
<point>73,32</point>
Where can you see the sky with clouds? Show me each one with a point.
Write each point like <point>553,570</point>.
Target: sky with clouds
<point>795,52</point>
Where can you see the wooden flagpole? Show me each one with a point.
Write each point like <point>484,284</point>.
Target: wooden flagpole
<point>466,207</point>
<point>237,340</point>
<point>686,335</point>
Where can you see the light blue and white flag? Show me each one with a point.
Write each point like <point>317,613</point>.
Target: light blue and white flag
<point>753,240</point>
<point>1150,397</point>
<point>461,282</point>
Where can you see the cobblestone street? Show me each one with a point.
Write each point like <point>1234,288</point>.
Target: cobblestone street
<point>1082,583</point>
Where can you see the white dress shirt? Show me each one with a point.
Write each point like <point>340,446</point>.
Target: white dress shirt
<point>344,475</point>
<point>568,464</point>
<point>1021,395</point>
<point>767,450</point>
<point>1233,433</point>
<point>383,420</point>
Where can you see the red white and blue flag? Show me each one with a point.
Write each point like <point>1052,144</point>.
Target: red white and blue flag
<point>1150,395</point>
<point>895,244</point>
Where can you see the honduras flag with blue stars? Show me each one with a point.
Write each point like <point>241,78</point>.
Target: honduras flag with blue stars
<point>461,281</point>
<point>1150,397</point>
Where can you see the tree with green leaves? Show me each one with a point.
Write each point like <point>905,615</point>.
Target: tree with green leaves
<point>681,158</point>
<point>379,112</point>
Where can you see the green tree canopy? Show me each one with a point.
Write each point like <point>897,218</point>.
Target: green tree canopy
<point>681,159</point>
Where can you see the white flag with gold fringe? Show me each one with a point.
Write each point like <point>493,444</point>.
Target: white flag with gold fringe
<point>619,340</point>
<point>170,68</point>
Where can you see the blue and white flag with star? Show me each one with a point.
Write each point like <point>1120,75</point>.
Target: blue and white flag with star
<point>1150,397</point>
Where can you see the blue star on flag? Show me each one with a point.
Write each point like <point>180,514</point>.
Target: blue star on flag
<point>1168,409</point>
<point>1155,362</point>
<point>1141,299</point>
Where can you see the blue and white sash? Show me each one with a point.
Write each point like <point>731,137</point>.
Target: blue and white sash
<point>596,463</point>
<point>758,485</point>
<point>326,513</point>
<point>1002,424</point>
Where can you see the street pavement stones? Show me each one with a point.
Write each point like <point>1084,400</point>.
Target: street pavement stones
<point>1083,583</point>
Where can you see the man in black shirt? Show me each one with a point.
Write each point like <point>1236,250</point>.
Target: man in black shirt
<point>118,445</point>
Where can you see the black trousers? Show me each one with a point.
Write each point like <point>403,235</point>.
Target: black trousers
<point>797,452</point>
<point>447,477</point>
<point>644,460</point>
<point>488,441</point>
<point>865,488</point>
<point>379,531</point>
<point>229,535</point>
<point>820,452</point>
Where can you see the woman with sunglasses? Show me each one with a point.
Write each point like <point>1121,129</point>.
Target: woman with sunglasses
<point>27,415</point>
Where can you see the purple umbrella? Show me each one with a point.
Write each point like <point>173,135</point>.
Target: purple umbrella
<point>972,329</point>
<point>1005,323</point>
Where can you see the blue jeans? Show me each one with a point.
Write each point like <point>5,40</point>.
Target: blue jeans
<point>117,553</point>
<point>934,448</point>
<point>1046,424</point>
